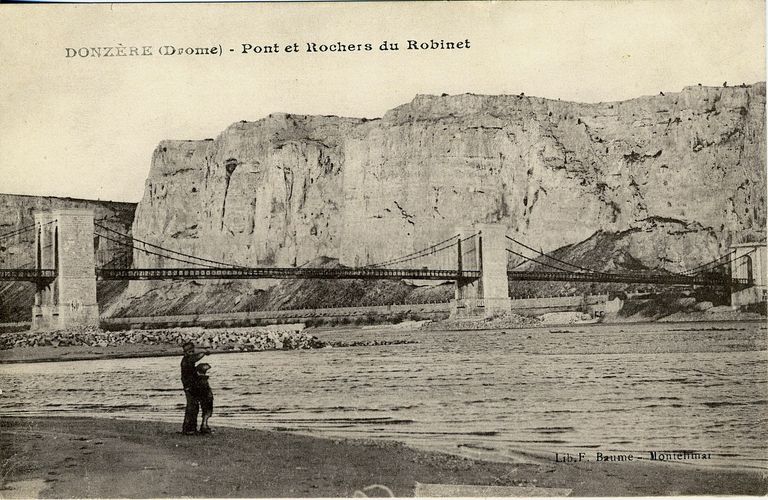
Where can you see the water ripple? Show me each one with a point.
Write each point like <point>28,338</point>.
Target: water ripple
<point>617,388</point>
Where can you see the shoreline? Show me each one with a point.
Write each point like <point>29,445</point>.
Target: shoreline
<point>195,321</point>
<point>50,354</point>
<point>102,457</point>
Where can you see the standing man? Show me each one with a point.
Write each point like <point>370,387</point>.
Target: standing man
<point>189,379</point>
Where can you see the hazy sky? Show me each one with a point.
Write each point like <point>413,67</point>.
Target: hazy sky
<point>86,127</point>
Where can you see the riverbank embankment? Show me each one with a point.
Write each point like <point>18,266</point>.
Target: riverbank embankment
<point>86,343</point>
<point>89,343</point>
<point>102,458</point>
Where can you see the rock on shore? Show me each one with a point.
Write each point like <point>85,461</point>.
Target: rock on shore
<point>509,320</point>
<point>219,339</point>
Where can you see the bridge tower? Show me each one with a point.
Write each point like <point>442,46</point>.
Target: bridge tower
<point>749,262</point>
<point>64,242</point>
<point>482,248</point>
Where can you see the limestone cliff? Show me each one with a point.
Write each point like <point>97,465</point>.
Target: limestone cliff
<point>287,189</point>
<point>263,193</point>
<point>18,211</point>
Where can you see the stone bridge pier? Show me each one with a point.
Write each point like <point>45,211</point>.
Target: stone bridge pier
<point>749,262</point>
<point>482,248</point>
<point>64,242</point>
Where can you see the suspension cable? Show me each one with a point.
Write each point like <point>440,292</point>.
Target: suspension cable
<point>403,260</point>
<point>151,252</point>
<point>18,231</point>
<point>416,254</point>
<point>124,254</point>
<point>468,237</point>
<point>711,262</point>
<point>553,258</point>
<point>727,262</point>
<point>542,263</point>
<point>189,256</point>
<point>525,261</point>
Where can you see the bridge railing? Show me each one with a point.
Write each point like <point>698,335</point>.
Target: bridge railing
<point>283,272</point>
<point>661,279</point>
<point>37,275</point>
<point>33,275</point>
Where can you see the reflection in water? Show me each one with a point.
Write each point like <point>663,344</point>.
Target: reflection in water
<point>621,388</point>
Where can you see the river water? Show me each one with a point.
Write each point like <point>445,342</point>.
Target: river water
<point>616,388</point>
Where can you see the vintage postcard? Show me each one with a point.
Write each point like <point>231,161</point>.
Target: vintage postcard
<point>506,249</point>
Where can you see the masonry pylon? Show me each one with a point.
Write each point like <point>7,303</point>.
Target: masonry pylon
<point>482,248</point>
<point>495,283</point>
<point>467,299</point>
<point>64,242</point>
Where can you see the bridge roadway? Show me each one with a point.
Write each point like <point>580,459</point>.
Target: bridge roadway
<point>661,279</point>
<point>48,275</point>
<point>34,275</point>
<point>285,273</point>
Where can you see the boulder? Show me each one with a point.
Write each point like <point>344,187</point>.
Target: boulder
<point>720,310</point>
<point>687,302</point>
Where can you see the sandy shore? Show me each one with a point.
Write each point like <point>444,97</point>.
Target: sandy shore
<point>81,457</point>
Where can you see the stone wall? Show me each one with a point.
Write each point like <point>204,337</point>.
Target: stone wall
<point>300,315</point>
<point>591,304</point>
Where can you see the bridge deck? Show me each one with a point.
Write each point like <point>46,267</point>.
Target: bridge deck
<point>661,279</point>
<point>284,273</point>
<point>47,275</point>
<point>33,275</point>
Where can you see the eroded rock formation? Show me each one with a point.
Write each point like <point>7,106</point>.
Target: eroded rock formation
<point>287,189</point>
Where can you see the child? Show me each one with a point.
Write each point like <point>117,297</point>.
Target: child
<point>205,395</point>
<point>189,381</point>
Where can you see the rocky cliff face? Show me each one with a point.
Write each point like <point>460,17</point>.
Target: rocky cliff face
<point>287,189</point>
<point>263,193</point>
<point>18,211</point>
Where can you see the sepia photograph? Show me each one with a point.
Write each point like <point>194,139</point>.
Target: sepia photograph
<point>390,249</point>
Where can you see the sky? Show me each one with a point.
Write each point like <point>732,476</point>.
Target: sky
<point>86,127</point>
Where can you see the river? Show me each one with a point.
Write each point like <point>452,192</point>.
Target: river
<point>609,388</point>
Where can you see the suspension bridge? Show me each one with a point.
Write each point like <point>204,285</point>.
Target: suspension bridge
<point>69,256</point>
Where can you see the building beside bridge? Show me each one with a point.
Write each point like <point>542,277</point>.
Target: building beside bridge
<point>749,262</point>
